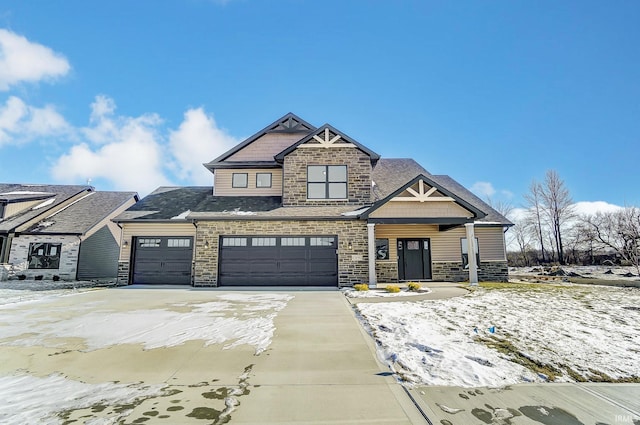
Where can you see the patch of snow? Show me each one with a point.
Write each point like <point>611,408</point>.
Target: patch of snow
<point>73,203</point>
<point>24,192</point>
<point>238,212</point>
<point>216,322</point>
<point>594,272</point>
<point>182,215</point>
<point>436,342</point>
<point>355,213</point>
<point>29,399</point>
<point>44,204</point>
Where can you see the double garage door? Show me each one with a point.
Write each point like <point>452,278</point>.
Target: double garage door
<point>278,261</point>
<point>242,261</point>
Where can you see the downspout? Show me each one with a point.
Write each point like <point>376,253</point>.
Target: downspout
<point>78,258</point>
<point>195,253</point>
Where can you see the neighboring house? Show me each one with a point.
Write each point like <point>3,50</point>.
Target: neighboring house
<point>60,230</point>
<point>299,205</point>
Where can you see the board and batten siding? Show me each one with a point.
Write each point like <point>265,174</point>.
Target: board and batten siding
<point>222,182</point>
<point>445,246</point>
<point>131,230</point>
<point>266,147</point>
<point>408,209</point>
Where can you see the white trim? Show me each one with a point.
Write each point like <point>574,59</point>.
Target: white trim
<point>471,250</point>
<point>371,245</point>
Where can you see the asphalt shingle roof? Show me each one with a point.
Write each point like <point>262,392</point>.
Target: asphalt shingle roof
<point>79,217</point>
<point>29,192</point>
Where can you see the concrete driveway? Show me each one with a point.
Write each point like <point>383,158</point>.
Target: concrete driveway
<point>319,368</point>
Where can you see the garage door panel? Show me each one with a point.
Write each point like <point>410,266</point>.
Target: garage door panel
<point>162,260</point>
<point>287,261</point>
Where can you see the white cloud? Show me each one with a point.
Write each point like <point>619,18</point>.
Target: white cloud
<point>24,61</point>
<point>483,189</point>
<point>130,154</point>
<point>198,140</point>
<point>20,122</point>
<point>587,207</point>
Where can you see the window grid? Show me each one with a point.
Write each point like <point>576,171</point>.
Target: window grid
<point>326,182</point>
<point>263,241</point>
<point>149,243</point>
<point>179,243</point>
<point>321,241</point>
<point>44,255</point>
<point>234,241</point>
<point>292,241</point>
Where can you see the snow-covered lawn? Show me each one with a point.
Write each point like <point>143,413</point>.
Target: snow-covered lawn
<point>618,273</point>
<point>511,333</point>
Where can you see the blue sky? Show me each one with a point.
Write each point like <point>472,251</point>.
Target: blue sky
<point>134,95</point>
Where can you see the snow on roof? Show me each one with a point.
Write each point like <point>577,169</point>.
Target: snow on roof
<point>183,215</point>
<point>354,213</point>
<point>44,204</point>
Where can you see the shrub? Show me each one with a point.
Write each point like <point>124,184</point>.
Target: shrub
<point>393,288</point>
<point>414,286</point>
<point>56,278</point>
<point>22,276</point>
<point>39,277</point>
<point>361,287</point>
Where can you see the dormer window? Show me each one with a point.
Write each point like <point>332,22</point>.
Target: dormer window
<point>327,182</point>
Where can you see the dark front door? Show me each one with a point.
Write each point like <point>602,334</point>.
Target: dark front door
<point>414,259</point>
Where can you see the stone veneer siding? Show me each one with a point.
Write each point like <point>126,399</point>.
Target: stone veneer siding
<point>19,256</point>
<point>352,263</point>
<point>295,175</point>
<point>387,271</point>
<point>123,273</point>
<point>494,271</point>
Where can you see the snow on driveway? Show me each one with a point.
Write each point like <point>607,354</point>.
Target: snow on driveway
<point>571,331</point>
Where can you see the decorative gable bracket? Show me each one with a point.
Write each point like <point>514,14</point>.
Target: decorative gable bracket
<point>422,195</point>
<point>329,140</point>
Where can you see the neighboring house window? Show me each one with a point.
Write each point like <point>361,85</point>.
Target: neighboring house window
<point>465,252</point>
<point>327,182</point>
<point>382,249</point>
<point>263,179</point>
<point>44,255</point>
<point>239,180</point>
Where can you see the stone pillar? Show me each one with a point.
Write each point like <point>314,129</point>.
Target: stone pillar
<point>371,239</point>
<point>471,250</point>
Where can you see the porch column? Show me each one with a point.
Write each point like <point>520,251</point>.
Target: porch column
<point>471,250</point>
<point>371,239</point>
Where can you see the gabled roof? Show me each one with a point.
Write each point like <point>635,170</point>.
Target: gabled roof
<point>321,132</point>
<point>290,123</point>
<point>391,173</point>
<point>421,177</point>
<point>51,195</point>
<point>81,216</point>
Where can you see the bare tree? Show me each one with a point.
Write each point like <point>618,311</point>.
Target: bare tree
<point>521,233</point>
<point>619,231</point>
<point>558,208</point>
<point>535,208</point>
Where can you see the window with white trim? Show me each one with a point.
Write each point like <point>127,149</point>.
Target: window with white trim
<point>179,243</point>
<point>327,182</point>
<point>292,241</point>
<point>263,241</point>
<point>148,243</point>
<point>321,241</point>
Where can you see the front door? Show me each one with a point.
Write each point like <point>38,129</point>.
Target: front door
<point>414,259</point>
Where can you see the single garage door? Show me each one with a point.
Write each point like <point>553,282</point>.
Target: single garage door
<point>163,260</point>
<point>278,261</point>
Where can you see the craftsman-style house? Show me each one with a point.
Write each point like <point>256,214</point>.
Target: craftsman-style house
<point>297,205</point>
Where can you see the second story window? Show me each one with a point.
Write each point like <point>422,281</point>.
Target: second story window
<point>263,179</point>
<point>327,182</point>
<point>239,180</point>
